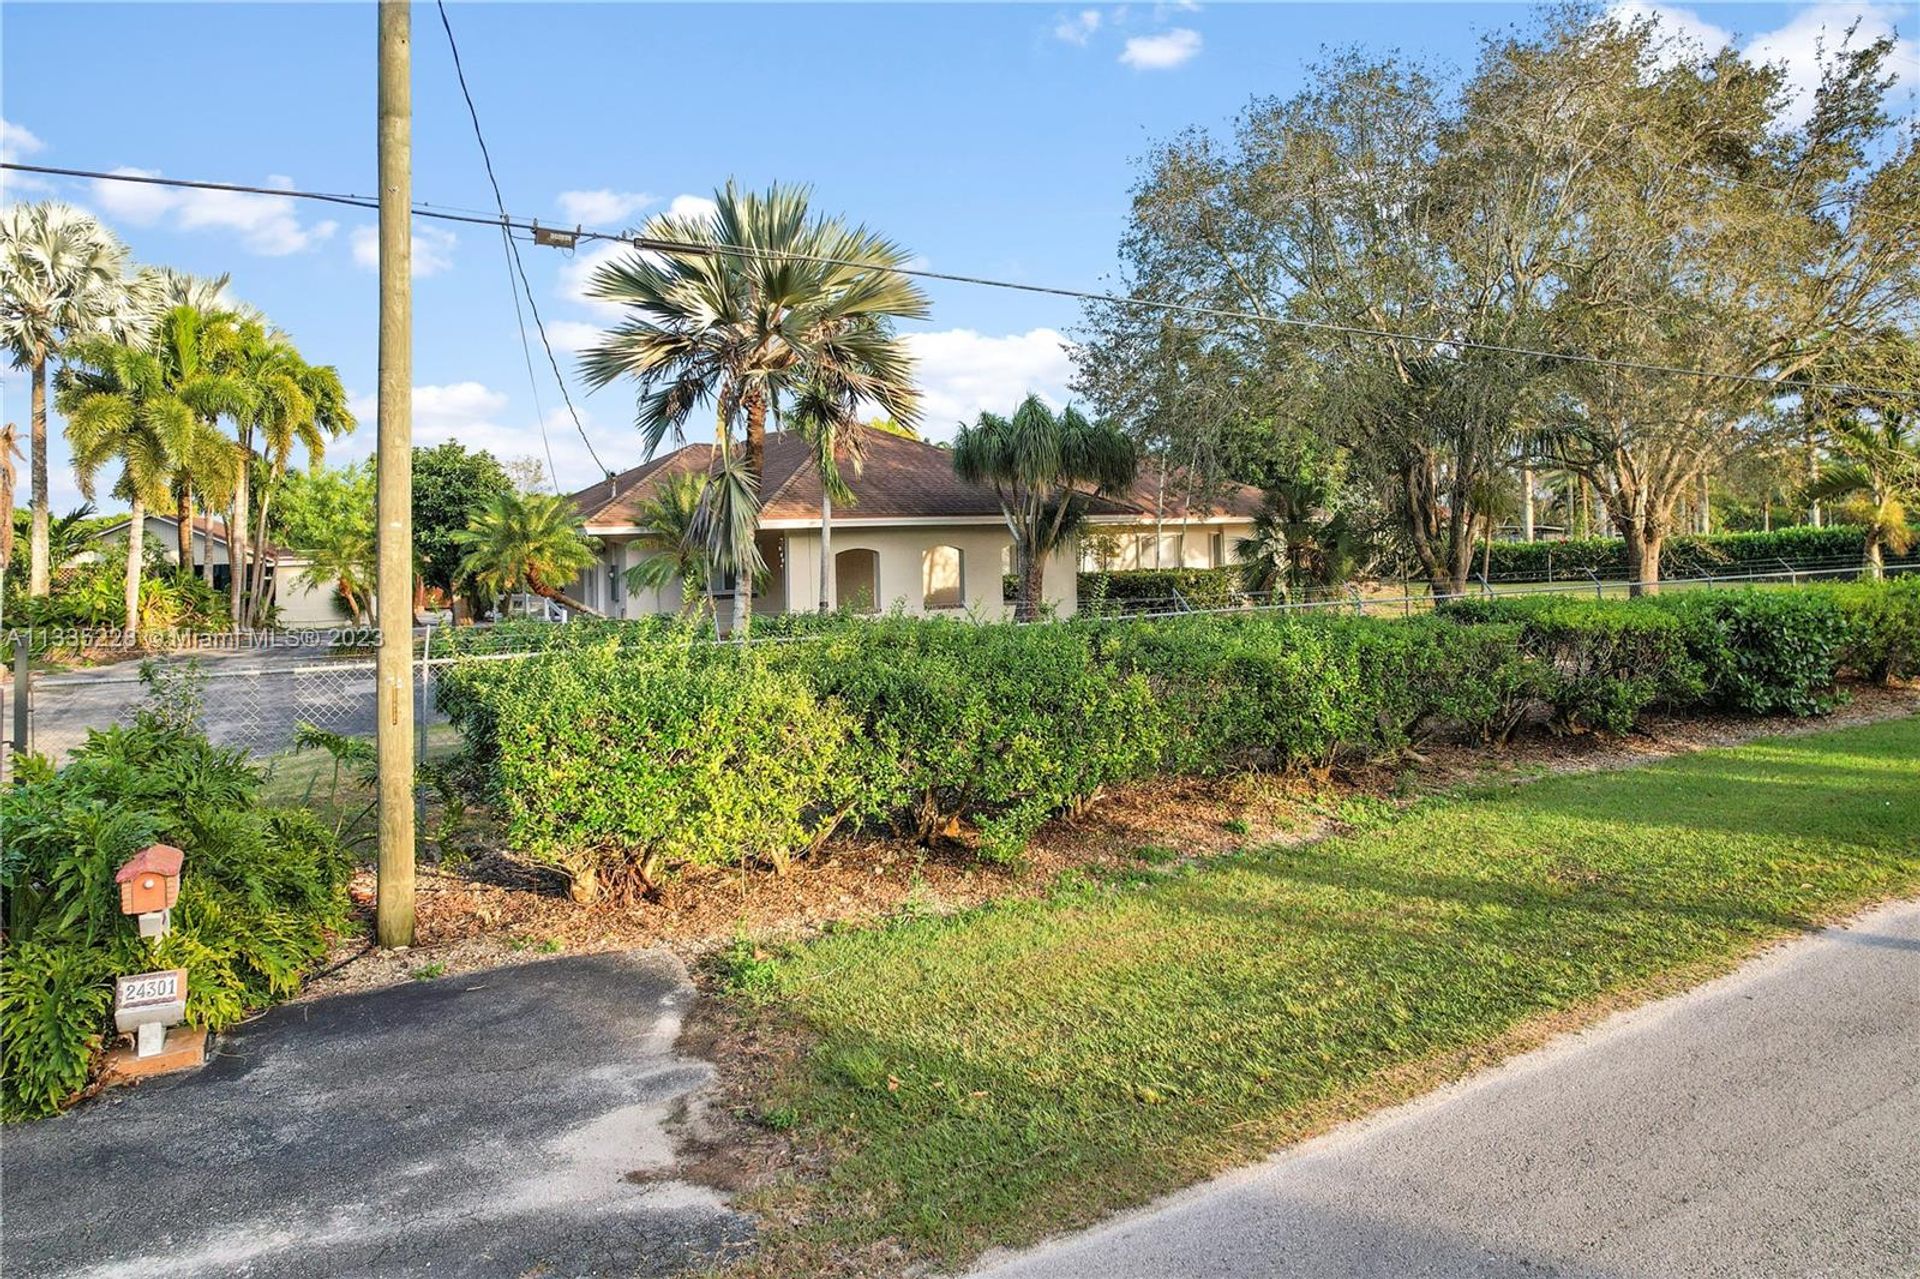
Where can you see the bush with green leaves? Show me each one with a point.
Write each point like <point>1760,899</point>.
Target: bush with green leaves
<point>1762,651</point>
<point>1685,555</point>
<point>614,761</point>
<point>261,892</point>
<point>611,762</point>
<point>1001,726</point>
<point>1883,626</point>
<point>1160,589</point>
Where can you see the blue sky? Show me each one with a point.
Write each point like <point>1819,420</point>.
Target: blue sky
<point>991,139</point>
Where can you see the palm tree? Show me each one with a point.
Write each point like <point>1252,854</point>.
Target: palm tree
<point>724,524</point>
<point>293,403</point>
<point>1292,544</point>
<point>825,418</point>
<point>672,520</point>
<point>62,276</point>
<point>766,296</point>
<point>524,543</point>
<point>190,346</point>
<point>1042,466</point>
<point>120,408</point>
<point>343,558</point>
<point>1878,481</point>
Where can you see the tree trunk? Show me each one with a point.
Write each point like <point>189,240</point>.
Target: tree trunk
<point>136,550</point>
<point>40,573</point>
<point>258,588</point>
<point>1643,559</point>
<point>1033,585</point>
<point>564,600</point>
<point>742,605</point>
<point>237,539</point>
<point>1526,499</point>
<point>7,435</point>
<point>1486,551</point>
<point>826,549</point>
<point>1706,505</point>
<point>183,517</point>
<point>1876,563</point>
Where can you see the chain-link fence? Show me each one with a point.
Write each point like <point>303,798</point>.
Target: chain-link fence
<point>256,700</point>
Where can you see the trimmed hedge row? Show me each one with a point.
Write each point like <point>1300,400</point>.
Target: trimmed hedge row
<point>614,763</point>
<point>1682,555</point>
<point>1199,587</point>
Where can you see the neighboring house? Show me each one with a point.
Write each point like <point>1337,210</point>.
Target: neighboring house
<point>914,536</point>
<point>300,604</point>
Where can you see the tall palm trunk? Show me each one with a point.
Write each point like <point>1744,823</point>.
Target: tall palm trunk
<point>1033,577</point>
<point>237,537</point>
<point>40,573</point>
<point>258,586</point>
<point>826,548</point>
<point>183,517</point>
<point>136,551</point>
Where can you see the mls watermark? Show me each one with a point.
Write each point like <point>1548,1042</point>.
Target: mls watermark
<point>115,637</point>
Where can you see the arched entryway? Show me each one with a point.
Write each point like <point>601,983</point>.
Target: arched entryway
<point>856,580</point>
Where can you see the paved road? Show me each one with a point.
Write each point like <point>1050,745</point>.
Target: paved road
<point>1767,1124</point>
<point>484,1125</point>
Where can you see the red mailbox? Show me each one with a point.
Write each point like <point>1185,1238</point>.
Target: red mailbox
<point>149,885</point>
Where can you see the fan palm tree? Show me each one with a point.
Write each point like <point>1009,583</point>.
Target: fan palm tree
<point>128,406</point>
<point>672,520</point>
<point>1293,545</point>
<point>1877,482</point>
<point>62,276</point>
<point>766,296</point>
<point>1042,466</point>
<point>524,543</point>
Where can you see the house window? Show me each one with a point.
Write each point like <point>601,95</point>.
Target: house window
<point>856,580</point>
<point>1218,552</point>
<point>941,584</point>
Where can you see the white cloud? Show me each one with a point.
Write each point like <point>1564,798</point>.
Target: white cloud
<point>602,206</point>
<point>1077,28</point>
<point>573,335</point>
<point>963,373</point>
<point>17,142</point>
<point>432,249</point>
<point>1796,45</point>
<point>265,224</point>
<point>692,206</point>
<point>1161,52</point>
<point>480,417</point>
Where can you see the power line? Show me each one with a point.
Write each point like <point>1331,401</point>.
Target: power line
<point>650,244</point>
<point>513,253</point>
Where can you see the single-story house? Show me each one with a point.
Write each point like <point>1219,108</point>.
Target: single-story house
<point>915,536</point>
<point>300,602</point>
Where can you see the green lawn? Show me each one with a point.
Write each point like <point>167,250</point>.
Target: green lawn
<point>988,1076</point>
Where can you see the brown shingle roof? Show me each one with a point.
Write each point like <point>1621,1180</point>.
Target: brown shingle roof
<point>899,479</point>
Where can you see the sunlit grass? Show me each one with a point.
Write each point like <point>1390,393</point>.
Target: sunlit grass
<point>988,1076</point>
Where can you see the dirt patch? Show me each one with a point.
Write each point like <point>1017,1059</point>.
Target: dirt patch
<point>480,907</point>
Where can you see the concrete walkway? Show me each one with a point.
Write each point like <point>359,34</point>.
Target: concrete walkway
<point>1766,1124</point>
<point>502,1123</point>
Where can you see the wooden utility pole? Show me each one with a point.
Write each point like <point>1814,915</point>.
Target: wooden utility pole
<point>393,918</point>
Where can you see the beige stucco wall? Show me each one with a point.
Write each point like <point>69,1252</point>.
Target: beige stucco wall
<point>300,604</point>
<point>794,559</point>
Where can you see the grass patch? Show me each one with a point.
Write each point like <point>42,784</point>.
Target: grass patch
<point>984,1077</point>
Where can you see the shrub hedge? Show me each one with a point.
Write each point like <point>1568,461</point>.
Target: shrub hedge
<point>261,891</point>
<point>1680,556</point>
<point>1131,589</point>
<point>613,761</point>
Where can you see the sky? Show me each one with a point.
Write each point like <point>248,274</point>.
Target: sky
<point>996,140</point>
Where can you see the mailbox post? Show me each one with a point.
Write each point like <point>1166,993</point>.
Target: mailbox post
<point>147,1005</point>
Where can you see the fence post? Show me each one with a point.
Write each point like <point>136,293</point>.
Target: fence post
<point>1598,592</point>
<point>1359,608</point>
<point>22,707</point>
<point>1793,574</point>
<point>420,724</point>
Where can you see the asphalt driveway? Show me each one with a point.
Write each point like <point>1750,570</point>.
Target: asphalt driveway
<point>1765,1124</point>
<point>504,1123</point>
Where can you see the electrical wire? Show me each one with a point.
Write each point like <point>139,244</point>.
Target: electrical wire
<point>676,247</point>
<point>513,253</point>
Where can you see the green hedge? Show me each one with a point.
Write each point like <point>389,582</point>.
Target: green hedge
<point>1133,589</point>
<point>261,891</point>
<point>614,762</point>
<point>1688,555</point>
